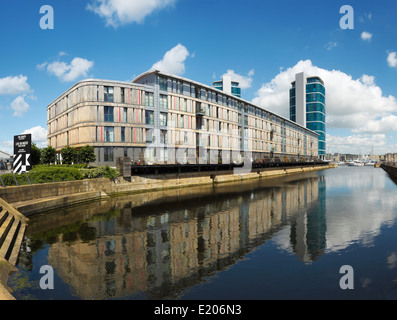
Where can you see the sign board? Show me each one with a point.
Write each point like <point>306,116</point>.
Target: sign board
<point>22,151</point>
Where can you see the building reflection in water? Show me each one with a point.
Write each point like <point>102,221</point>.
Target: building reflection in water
<point>157,245</point>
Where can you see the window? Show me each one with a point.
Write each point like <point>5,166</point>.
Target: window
<point>185,105</point>
<point>163,119</point>
<point>150,136</point>
<point>108,154</point>
<point>108,114</point>
<point>149,99</point>
<point>122,95</point>
<point>122,134</point>
<point>163,83</point>
<point>109,134</point>
<point>163,136</point>
<point>125,115</point>
<point>163,101</point>
<point>181,123</point>
<point>149,115</point>
<point>108,94</point>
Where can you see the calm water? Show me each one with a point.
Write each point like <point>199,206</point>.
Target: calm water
<point>276,239</point>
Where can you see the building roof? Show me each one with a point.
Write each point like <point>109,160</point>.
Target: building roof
<point>4,155</point>
<point>220,91</point>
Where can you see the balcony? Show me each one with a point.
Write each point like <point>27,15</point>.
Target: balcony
<point>201,110</point>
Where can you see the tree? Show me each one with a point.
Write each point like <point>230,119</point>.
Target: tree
<point>48,155</point>
<point>68,155</point>
<point>86,154</point>
<point>35,155</point>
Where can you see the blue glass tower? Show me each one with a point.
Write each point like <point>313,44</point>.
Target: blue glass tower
<point>307,106</point>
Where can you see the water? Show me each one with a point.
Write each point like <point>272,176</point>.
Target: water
<point>284,238</point>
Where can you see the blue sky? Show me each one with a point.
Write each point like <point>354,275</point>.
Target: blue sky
<point>261,43</point>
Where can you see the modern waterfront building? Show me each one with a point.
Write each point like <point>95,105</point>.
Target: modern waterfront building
<point>307,106</point>
<point>228,86</point>
<point>162,118</point>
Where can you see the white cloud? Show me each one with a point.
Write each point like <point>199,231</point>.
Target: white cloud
<point>14,85</point>
<point>357,143</point>
<point>350,103</point>
<point>78,68</point>
<point>173,61</point>
<point>385,124</point>
<point>19,106</point>
<point>392,59</point>
<point>330,45</point>
<point>366,36</point>
<point>7,146</point>
<point>244,81</point>
<point>39,135</point>
<point>119,12</point>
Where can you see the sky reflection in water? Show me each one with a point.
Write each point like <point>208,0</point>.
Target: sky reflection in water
<point>284,238</point>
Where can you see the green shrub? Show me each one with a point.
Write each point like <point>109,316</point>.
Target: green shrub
<point>57,173</point>
<point>100,172</point>
<point>8,179</point>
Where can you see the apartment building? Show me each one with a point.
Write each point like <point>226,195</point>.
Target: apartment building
<point>163,118</point>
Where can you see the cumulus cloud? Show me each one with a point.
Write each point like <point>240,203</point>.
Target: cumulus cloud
<point>14,85</point>
<point>78,68</point>
<point>19,106</point>
<point>39,135</point>
<point>120,12</point>
<point>366,36</point>
<point>244,81</point>
<point>350,103</point>
<point>357,143</point>
<point>392,59</point>
<point>173,61</point>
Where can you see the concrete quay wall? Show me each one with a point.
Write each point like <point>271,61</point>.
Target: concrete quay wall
<point>33,199</point>
<point>390,169</point>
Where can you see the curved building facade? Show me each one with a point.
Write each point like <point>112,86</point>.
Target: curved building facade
<point>161,118</point>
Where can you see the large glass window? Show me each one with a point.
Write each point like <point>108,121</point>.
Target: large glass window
<point>163,101</point>
<point>149,99</point>
<point>108,154</point>
<point>149,116</point>
<point>125,115</point>
<point>108,114</point>
<point>163,83</point>
<point>122,134</point>
<point>122,95</point>
<point>163,119</point>
<point>109,134</point>
<point>108,94</point>
<point>315,116</point>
